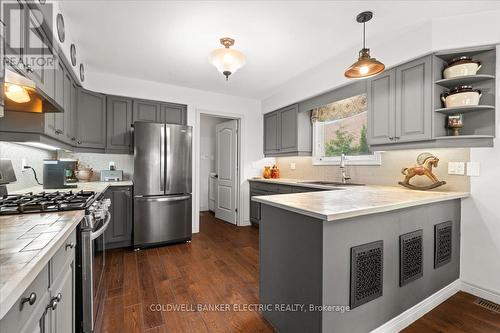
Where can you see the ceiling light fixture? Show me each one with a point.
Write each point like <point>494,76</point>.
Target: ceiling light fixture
<point>366,66</point>
<point>226,60</point>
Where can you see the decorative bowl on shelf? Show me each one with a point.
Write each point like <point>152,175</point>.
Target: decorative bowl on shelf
<point>461,66</point>
<point>461,96</point>
<point>85,174</point>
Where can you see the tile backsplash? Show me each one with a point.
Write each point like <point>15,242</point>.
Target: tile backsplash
<point>389,173</point>
<point>100,162</point>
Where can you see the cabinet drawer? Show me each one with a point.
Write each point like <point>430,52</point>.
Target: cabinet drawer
<point>302,189</point>
<point>274,188</point>
<point>284,189</point>
<point>20,313</point>
<point>62,255</point>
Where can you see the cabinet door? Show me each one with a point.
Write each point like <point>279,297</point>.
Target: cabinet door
<point>119,119</point>
<point>381,108</point>
<point>288,129</point>
<point>271,135</point>
<point>146,111</point>
<point>59,121</point>
<point>254,208</point>
<point>91,119</point>
<point>173,114</point>
<point>14,31</point>
<point>68,109</point>
<point>120,228</point>
<point>413,101</point>
<point>63,317</point>
<point>38,57</point>
<point>72,133</point>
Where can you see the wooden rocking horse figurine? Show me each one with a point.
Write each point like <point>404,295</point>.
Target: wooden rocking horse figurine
<point>425,163</point>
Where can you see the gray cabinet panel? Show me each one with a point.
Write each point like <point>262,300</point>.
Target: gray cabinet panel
<point>288,129</point>
<point>119,232</point>
<point>68,109</point>
<point>63,317</point>
<point>414,101</point>
<point>91,119</point>
<point>119,120</point>
<point>173,114</point>
<point>146,110</point>
<point>72,133</point>
<point>381,108</point>
<point>59,98</point>
<point>271,123</point>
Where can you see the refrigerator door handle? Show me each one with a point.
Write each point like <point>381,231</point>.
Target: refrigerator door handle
<point>162,158</point>
<point>168,158</point>
<point>162,199</point>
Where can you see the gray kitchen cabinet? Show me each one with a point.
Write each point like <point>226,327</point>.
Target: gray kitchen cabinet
<point>63,317</point>
<point>287,132</point>
<point>90,119</point>
<point>400,104</point>
<point>146,110</point>
<point>119,232</point>
<point>381,93</point>
<point>119,120</point>
<point>173,114</point>
<point>71,134</point>
<point>68,109</point>
<point>59,98</point>
<point>414,101</point>
<point>271,133</point>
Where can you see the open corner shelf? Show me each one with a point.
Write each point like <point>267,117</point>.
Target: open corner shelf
<point>457,137</point>
<point>464,80</point>
<point>465,109</point>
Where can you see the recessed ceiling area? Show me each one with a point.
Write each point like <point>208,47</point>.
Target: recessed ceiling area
<point>169,41</point>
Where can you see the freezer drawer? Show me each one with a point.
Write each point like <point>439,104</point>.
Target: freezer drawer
<point>162,219</point>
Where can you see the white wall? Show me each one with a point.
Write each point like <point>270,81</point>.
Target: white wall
<point>207,154</point>
<point>198,102</point>
<point>480,264</point>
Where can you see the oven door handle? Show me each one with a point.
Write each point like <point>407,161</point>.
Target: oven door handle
<point>100,231</point>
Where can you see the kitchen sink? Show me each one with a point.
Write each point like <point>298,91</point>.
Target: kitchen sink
<point>326,183</point>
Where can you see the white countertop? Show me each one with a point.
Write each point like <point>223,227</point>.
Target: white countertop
<point>85,186</point>
<point>352,201</point>
<point>293,182</point>
<point>27,243</point>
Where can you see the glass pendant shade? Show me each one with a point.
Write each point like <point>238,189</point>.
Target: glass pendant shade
<point>16,93</point>
<point>366,66</point>
<point>226,60</point>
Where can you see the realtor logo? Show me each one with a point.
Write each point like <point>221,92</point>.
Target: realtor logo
<point>27,46</point>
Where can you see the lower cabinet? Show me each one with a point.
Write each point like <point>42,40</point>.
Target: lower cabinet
<point>119,232</point>
<point>48,304</point>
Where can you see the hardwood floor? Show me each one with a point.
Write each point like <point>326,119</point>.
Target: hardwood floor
<point>220,266</point>
<point>458,314</point>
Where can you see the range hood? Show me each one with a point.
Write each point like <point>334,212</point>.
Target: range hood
<point>22,94</point>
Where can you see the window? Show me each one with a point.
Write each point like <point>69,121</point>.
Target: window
<point>340,128</point>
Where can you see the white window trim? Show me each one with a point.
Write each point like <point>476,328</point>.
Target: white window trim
<point>318,149</point>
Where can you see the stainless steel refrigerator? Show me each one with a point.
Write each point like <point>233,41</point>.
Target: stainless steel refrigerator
<point>162,183</point>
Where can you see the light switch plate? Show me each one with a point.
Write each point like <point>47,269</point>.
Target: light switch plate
<point>473,169</point>
<point>292,166</point>
<point>456,168</point>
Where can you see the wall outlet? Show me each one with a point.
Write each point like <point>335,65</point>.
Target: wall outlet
<point>473,169</point>
<point>456,168</point>
<point>292,166</point>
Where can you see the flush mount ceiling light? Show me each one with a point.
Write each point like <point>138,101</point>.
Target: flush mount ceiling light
<point>366,66</point>
<point>226,60</point>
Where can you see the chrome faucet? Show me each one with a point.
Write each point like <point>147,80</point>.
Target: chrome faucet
<point>345,177</point>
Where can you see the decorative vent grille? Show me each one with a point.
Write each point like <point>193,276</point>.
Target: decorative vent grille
<point>442,243</point>
<point>488,305</point>
<point>366,273</point>
<point>410,257</point>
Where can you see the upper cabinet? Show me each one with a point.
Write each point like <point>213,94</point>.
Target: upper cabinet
<point>90,119</point>
<point>146,110</point>
<point>287,132</point>
<point>159,112</point>
<point>119,120</point>
<point>405,107</point>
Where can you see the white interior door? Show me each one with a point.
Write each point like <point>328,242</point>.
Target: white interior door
<point>226,188</point>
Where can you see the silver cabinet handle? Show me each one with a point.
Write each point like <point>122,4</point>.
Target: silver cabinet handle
<point>58,131</point>
<point>70,245</point>
<point>396,137</point>
<point>391,138</point>
<point>54,301</point>
<point>79,142</point>
<point>31,299</point>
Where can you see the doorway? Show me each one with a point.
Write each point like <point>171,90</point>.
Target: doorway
<point>219,169</point>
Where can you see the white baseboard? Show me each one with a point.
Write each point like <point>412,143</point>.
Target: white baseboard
<point>409,316</point>
<point>480,292</point>
<point>245,223</point>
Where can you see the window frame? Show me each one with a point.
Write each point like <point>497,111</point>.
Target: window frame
<point>318,150</point>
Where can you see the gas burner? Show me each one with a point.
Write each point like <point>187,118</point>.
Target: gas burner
<point>45,202</point>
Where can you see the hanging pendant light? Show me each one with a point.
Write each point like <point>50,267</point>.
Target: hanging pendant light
<point>366,66</point>
<point>226,60</point>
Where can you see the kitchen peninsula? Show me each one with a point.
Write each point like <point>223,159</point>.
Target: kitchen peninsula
<point>374,251</point>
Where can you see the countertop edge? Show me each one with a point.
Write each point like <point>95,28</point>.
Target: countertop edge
<point>11,291</point>
<point>361,212</point>
<point>301,183</point>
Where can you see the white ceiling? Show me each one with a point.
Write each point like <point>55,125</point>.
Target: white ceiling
<point>169,41</point>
